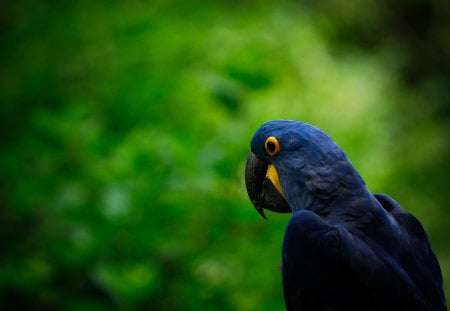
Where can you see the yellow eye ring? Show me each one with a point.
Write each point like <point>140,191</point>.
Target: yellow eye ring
<point>272,146</point>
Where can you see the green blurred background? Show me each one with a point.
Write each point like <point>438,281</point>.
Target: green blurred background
<point>125,127</point>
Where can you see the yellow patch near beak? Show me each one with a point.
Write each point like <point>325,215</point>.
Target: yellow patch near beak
<point>272,174</point>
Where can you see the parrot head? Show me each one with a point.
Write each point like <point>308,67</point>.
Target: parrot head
<point>292,165</point>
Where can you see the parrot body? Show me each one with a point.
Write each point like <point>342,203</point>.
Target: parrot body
<point>344,248</point>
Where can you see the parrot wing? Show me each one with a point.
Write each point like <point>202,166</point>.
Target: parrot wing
<point>326,267</point>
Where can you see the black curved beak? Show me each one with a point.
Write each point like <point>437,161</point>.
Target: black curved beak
<point>261,190</point>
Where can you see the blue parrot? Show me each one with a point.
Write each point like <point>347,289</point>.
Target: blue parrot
<point>344,248</point>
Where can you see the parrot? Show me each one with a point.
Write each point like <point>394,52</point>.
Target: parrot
<point>344,248</point>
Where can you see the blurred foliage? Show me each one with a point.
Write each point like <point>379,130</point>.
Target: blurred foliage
<point>126,125</point>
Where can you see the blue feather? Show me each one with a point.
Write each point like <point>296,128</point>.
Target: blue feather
<point>345,248</point>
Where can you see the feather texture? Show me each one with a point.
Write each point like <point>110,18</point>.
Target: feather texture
<point>345,248</point>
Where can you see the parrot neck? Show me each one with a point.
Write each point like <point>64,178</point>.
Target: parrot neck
<point>321,192</point>
<point>343,206</point>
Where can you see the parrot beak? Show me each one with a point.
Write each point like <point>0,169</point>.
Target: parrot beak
<point>263,187</point>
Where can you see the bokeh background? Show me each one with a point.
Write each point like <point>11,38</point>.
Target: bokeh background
<point>125,126</point>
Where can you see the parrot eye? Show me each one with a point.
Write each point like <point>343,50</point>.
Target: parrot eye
<point>272,146</point>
